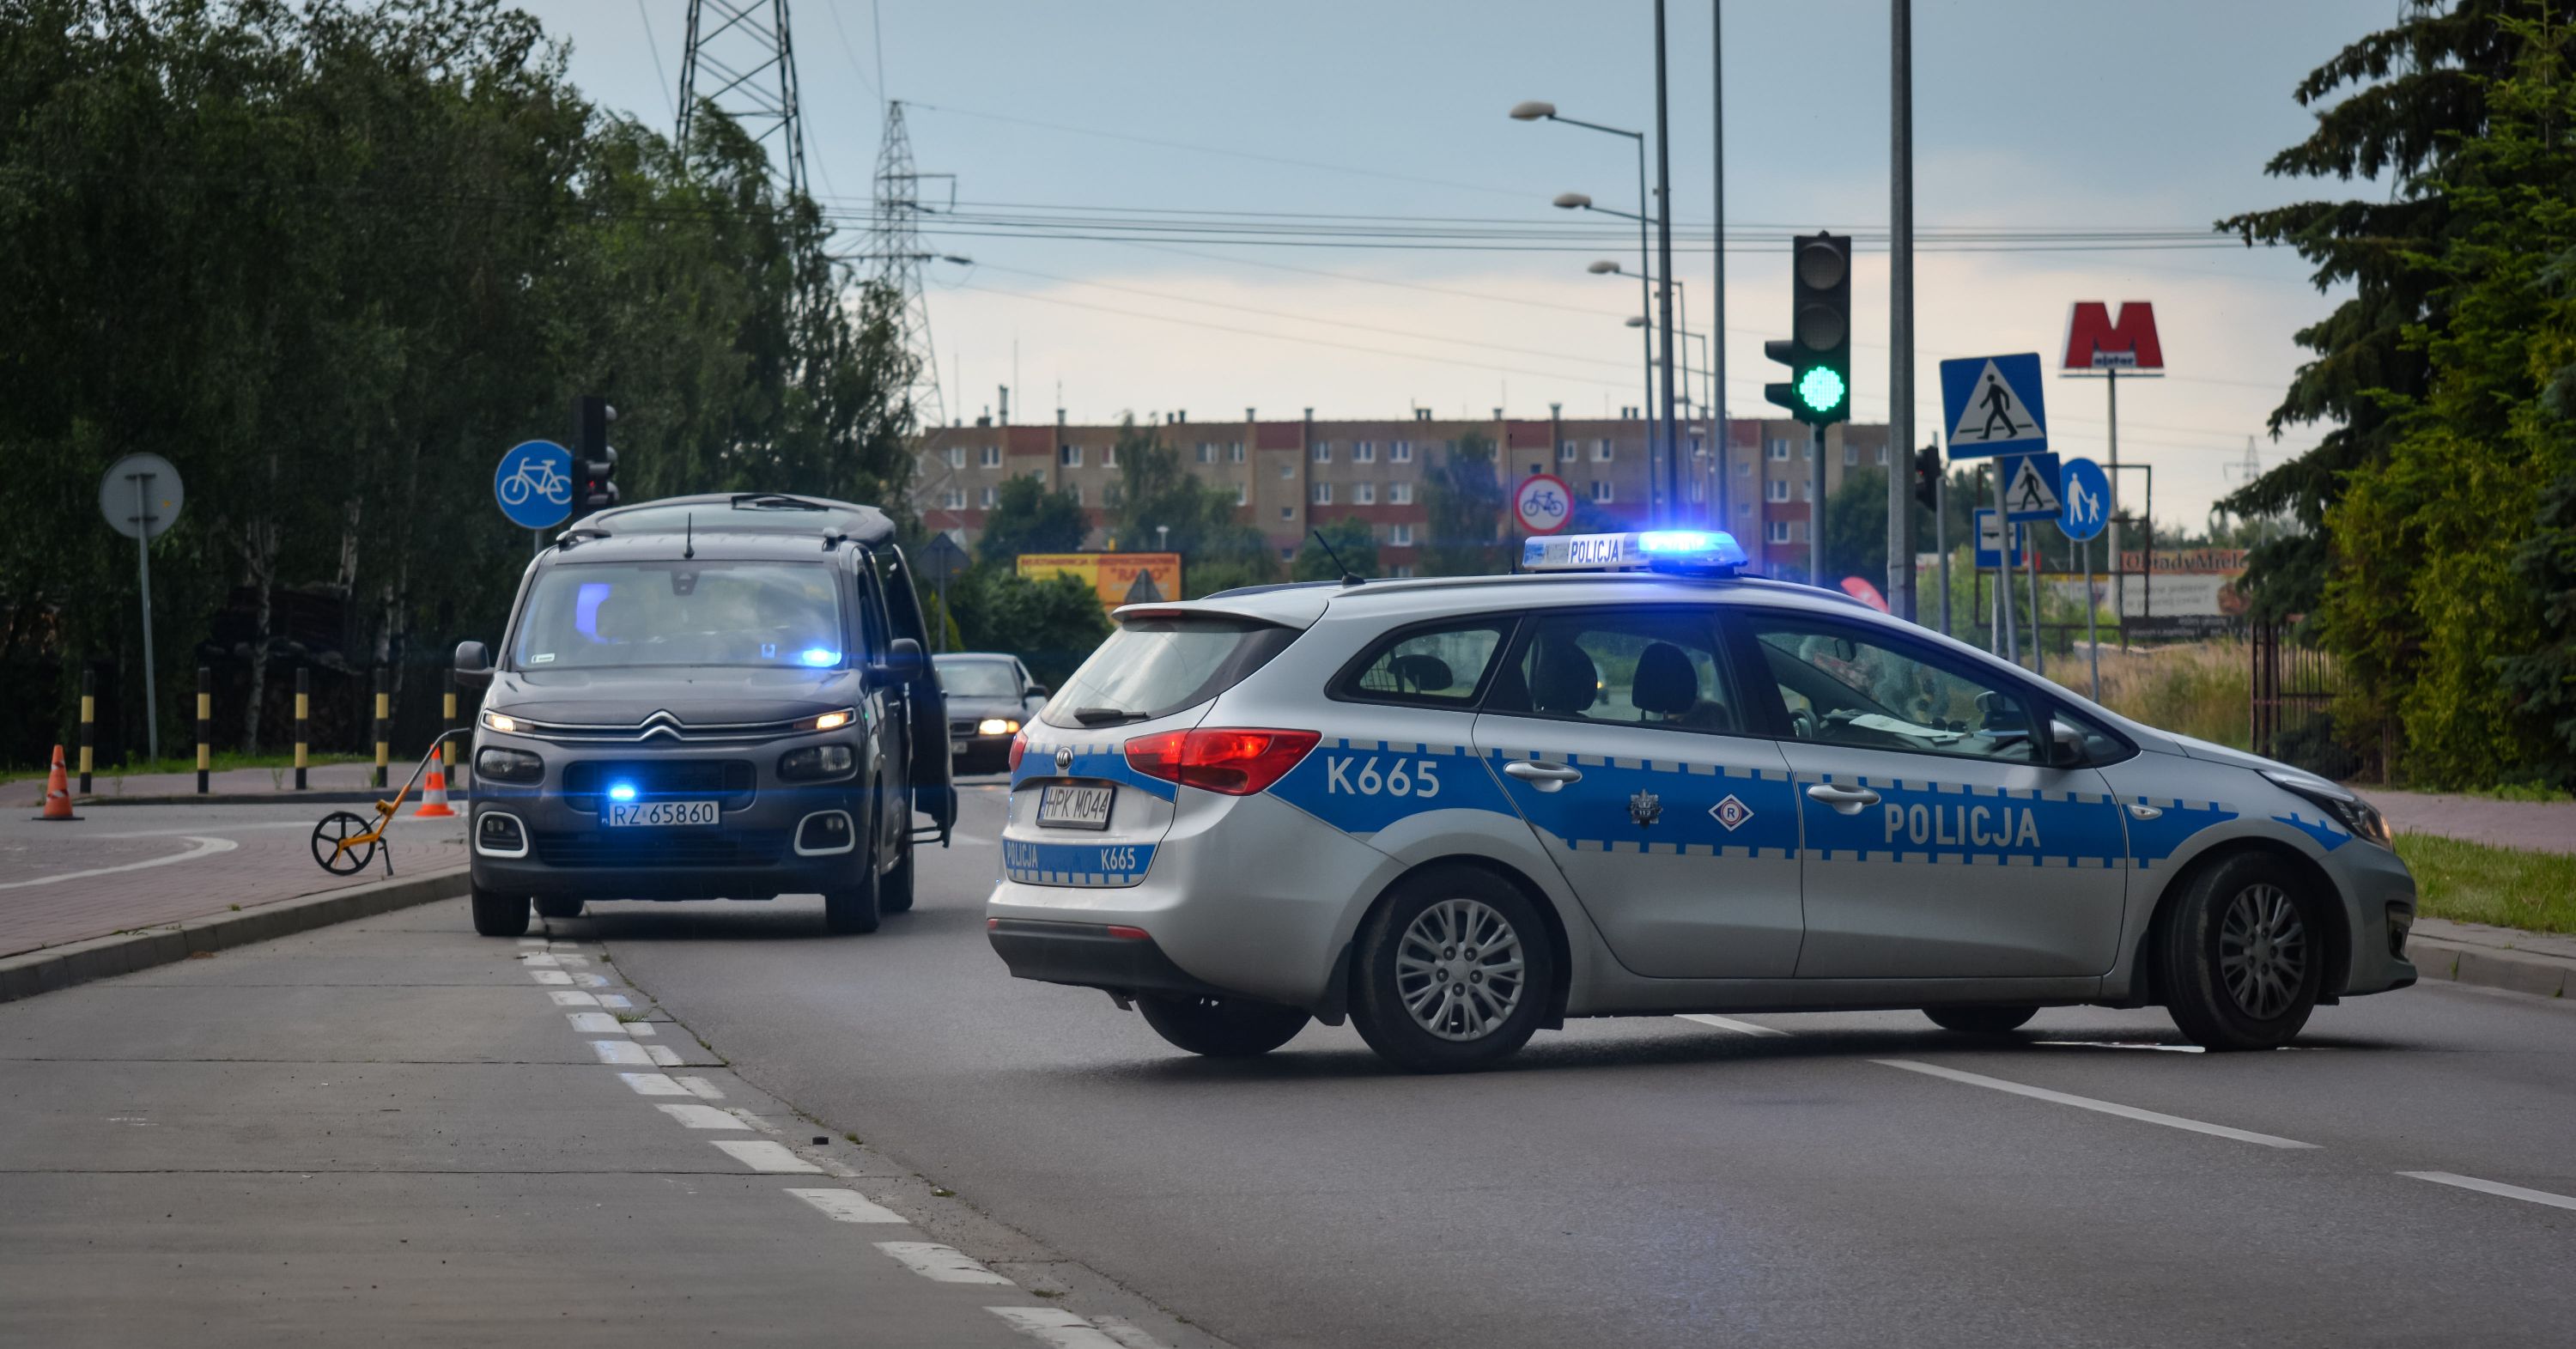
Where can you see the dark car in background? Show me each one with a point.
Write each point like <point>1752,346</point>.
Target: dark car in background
<point>990,695</point>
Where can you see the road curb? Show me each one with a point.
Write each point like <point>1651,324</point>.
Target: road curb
<point>318,798</point>
<point>60,967</point>
<point>2486,967</point>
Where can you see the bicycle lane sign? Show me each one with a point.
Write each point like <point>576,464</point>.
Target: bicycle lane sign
<point>1542,504</point>
<point>533,483</point>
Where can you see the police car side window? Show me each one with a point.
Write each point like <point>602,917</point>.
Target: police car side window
<point>1841,687</point>
<point>1657,668</point>
<point>1442,666</point>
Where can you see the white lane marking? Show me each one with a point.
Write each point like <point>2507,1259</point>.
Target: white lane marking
<point>572,960</point>
<point>550,976</point>
<point>595,980</point>
<point>1729,1023</point>
<point>642,1028</point>
<point>615,1000</point>
<point>701,1088</point>
<point>848,1206</point>
<point>762,1155</point>
<point>206,847</point>
<point>945,1264</point>
<point>593,1023</point>
<point>620,1051</point>
<point>701,1117</point>
<point>2088,1103</point>
<point>1126,1333</point>
<point>539,959</point>
<point>654,1084</point>
<point>532,941</point>
<point>663,1055</point>
<point>574,999</point>
<point>2121,1044</point>
<point>1056,1326</point>
<point>2494,1187</point>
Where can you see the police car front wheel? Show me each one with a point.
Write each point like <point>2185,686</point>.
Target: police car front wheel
<point>1453,971</point>
<point>1223,1028</point>
<point>2243,958</point>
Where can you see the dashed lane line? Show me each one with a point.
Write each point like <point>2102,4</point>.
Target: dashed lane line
<point>654,1084</point>
<point>1728,1023</point>
<point>701,1088</point>
<point>660,1055</point>
<point>206,847</point>
<point>1056,1326</point>
<point>941,1264</point>
<point>571,999</point>
<point>760,1154</point>
<point>848,1206</point>
<point>702,1116</point>
<point>2494,1187</point>
<point>643,1029</point>
<point>620,1051</point>
<point>550,976</point>
<point>593,1023</point>
<point>2088,1103</point>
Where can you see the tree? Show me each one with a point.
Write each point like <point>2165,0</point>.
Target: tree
<point>1352,541</point>
<point>1856,528</point>
<point>1052,624</point>
<point>1161,505</point>
<point>1463,498</point>
<point>1027,518</point>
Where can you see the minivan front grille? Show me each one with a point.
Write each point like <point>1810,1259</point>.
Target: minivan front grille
<point>726,780</point>
<point>645,848</point>
<point>660,725</point>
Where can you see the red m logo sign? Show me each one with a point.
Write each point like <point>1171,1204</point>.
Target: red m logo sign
<point>2097,341</point>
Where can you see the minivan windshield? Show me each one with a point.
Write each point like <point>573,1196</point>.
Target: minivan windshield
<point>603,614</point>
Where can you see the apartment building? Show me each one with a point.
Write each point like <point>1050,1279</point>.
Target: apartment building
<point>1292,475</point>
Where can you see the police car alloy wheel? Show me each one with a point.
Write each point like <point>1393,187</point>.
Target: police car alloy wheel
<point>2243,956</point>
<point>1224,1028</point>
<point>1453,971</point>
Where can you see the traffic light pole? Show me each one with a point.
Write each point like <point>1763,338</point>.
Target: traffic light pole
<point>1664,265</point>
<point>2003,574</point>
<point>1815,504</point>
<point>1900,325</point>
<point>1941,540</point>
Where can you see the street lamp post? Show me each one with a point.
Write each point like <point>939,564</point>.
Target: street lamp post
<point>1536,110</point>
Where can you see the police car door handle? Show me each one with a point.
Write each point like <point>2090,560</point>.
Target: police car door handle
<point>1542,775</point>
<point>1848,800</point>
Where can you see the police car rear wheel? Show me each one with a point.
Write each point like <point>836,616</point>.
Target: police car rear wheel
<point>498,915</point>
<point>1452,972</point>
<point>2243,963</point>
<point>1224,1028</point>
<point>1995,1020</point>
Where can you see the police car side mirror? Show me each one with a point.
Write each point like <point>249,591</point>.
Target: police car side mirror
<point>2066,747</point>
<point>473,666</point>
<point>904,663</point>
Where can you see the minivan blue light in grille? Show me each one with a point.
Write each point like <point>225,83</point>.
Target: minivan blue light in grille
<point>815,655</point>
<point>621,791</point>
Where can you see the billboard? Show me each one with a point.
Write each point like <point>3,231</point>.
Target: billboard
<point>2099,340</point>
<point>1118,578</point>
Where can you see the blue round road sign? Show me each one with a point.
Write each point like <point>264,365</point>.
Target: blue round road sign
<point>534,484</point>
<point>2085,491</point>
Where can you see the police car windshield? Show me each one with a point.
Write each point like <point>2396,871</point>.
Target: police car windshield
<point>1152,667</point>
<point>596,615</point>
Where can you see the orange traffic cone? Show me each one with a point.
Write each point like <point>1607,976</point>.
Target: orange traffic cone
<point>58,792</point>
<point>433,798</point>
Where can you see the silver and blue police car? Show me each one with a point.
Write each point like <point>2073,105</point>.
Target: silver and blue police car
<point>1630,781</point>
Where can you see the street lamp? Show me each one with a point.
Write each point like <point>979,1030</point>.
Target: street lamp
<point>1537,110</point>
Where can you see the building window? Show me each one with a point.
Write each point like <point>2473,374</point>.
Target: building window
<point>1400,493</point>
<point>1363,451</point>
<point>1234,453</point>
<point>1810,453</point>
<point>1403,570</point>
<point>1076,491</point>
<point>1109,456</point>
<point>1400,536</point>
<point>1567,453</point>
<point>1364,494</point>
<point>1882,456</point>
<point>1402,453</point>
<point>1323,494</point>
<point>1287,470</point>
<point>1111,494</point>
<point>1601,489</point>
<point>1744,508</point>
<point>1207,453</point>
<point>1601,451</point>
<point>954,498</point>
<point>1806,491</point>
<point>1287,512</point>
<point>1323,451</point>
<point>1776,490</point>
<point>1851,456</point>
<point>1777,531</point>
<point>992,456</point>
<point>1243,494</point>
<point>1287,554</point>
<point>988,498</point>
<point>1744,468</point>
<point>957,456</point>
<point>1779,447</point>
<point>1069,455</point>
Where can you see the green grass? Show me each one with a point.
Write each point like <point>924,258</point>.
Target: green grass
<point>221,760</point>
<point>2476,883</point>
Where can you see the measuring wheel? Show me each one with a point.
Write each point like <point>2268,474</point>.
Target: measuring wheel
<point>332,849</point>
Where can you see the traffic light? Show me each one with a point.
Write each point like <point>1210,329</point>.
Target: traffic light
<point>1927,477</point>
<point>594,463</point>
<point>1818,352</point>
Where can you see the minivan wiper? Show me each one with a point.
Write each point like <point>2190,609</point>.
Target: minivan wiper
<point>1105,716</point>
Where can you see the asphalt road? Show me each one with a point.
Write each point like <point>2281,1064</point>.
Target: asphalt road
<point>1828,1179</point>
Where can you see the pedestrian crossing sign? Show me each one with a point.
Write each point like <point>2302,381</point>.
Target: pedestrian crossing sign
<point>2030,487</point>
<point>1992,405</point>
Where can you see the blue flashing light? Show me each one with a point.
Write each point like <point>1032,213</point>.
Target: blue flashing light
<point>817,656</point>
<point>1700,551</point>
<point>621,791</point>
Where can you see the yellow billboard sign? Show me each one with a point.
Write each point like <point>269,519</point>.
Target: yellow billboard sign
<point>1118,578</point>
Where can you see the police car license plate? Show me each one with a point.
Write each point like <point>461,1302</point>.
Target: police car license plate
<point>658,814</point>
<point>1074,807</point>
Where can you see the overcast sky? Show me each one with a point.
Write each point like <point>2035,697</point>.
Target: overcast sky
<point>2027,114</point>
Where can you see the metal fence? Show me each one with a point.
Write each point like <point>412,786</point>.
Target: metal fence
<point>2293,692</point>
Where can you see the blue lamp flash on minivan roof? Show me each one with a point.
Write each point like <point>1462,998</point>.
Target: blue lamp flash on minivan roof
<point>1695,551</point>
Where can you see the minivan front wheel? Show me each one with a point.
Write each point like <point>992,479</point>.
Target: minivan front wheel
<point>2243,959</point>
<point>499,915</point>
<point>1453,971</point>
<point>853,907</point>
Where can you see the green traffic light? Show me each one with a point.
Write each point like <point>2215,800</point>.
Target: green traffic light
<point>1821,389</point>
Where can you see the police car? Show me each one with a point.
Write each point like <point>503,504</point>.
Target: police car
<point>1630,781</point>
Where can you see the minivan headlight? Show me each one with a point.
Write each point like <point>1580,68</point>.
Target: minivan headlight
<point>829,721</point>
<point>2354,814</point>
<point>816,761</point>
<point>498,721</point>
<point>508,765</point>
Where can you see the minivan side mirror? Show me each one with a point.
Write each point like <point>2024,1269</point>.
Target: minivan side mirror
<point>904,663</point>
<point>473,666</point>
<point>2066,748</point>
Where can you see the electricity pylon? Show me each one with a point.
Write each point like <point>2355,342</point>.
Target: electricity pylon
<point>894,245</point>
<point>741,61</point>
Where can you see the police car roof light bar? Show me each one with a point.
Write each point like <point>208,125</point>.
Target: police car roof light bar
<point>1694,552</point>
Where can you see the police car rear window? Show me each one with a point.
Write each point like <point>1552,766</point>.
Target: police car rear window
<point>1153,667</point>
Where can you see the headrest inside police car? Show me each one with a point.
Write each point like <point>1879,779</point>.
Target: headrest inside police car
<point>1696,551</point>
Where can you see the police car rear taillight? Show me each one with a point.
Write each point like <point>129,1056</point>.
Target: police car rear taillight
<point>1019,746</point>
<point>1232,761</point>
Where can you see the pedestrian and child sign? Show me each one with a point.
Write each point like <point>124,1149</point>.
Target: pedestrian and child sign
<point>1993,405</point>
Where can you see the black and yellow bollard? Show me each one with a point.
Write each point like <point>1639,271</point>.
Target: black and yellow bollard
<point>447,722</point>
<point>384,729</point>
<point>205,729</point>
<point>303,722</point>
<point>89,724</point>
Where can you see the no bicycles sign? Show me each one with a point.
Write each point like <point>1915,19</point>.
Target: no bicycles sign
<point>1543,504</point>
